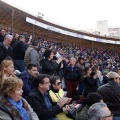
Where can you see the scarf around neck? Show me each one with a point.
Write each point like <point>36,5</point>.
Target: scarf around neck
<point>19,107</point>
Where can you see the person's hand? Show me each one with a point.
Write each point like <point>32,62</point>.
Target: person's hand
<point>64,100</point>
<point>66,109</point>
<point>61,65</point>
<point>69,99</point>
<point>59,60</point>
<point>65,59</point>
<point>16,72</point>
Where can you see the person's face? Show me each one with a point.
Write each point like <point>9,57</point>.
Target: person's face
<point>72,61</point>
<point>43,50</point>
<point>57,85</point>
<point>23,39</point>
<point>17,95</point>
<point>118,72</point>
<point>108,115</point>
<point>89,71</point>
<point>33,72</point>
<point>81,61</point>
<point>51,55</point>
<point>108,62</point>
<point>2,32</point>
<point>95,76</point>
<point>117,80</point>
<point>8,41</point>
<point>16,36</point>
<point>46,85</point>
<point>9,70</point>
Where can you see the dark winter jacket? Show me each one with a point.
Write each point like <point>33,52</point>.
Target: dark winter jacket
<point>5,52</point>
<point>18,50</point>
<point>36,100</point>
<point>1,38</point>
<point>28,81</point>
<point>50,67</point>
<point>72,74</point>
<point>89,85</point>
<point>111,96</point>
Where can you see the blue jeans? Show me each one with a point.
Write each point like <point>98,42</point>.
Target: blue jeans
<point>19,65</point>
<point>116,118</point>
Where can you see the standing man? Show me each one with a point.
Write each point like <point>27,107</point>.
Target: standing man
<point>18,53</point>
<point>5,48</point>
<point>31,54</point>
<point>2,35</point>
<point>81,65</point>
<point>41,102</point>
<point>111,94</point>
<point>28,78</point>
<point>41,53</point>
<point>72,76</point>
<point>15,38</point>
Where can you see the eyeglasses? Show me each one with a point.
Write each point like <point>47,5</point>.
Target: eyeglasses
<point>111,115</point>
<point>58,83</point>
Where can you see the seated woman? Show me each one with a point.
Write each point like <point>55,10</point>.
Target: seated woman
<point>6,70</point>
<point>12,105</point>
<point>56,93</point>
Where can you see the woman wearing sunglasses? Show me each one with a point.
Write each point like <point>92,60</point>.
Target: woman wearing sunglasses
<point>56,93</point>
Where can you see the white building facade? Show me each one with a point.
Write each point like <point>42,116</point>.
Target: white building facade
<point>114,32</point>
<point>102,27</point>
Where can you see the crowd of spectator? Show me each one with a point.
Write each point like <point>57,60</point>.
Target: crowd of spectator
<point>35,73</point>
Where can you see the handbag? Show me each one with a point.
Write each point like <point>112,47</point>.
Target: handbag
<point>72,112</point>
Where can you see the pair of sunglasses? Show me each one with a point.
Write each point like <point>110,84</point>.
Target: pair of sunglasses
<point>58,83</point>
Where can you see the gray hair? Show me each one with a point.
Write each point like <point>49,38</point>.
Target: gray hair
<point>96,111</point>
<point>8,36</point>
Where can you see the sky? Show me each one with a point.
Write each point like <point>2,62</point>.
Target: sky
<point>75,14</point>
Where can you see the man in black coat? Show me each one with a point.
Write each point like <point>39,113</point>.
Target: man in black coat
<point>40,101</point>
<point>19,53</point>
<point>72,76</point>
<point>111,93</point>
<point>2,35</point>
<point>5,48</point>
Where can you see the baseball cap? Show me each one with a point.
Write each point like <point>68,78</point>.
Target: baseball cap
<point>113,75</point>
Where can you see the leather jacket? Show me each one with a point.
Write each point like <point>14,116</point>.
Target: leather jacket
<point>111,96</point>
